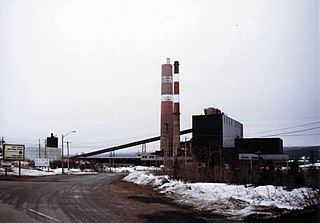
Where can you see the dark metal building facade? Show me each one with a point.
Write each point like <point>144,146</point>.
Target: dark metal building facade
<point>215,129</point>
<point>260,145</point>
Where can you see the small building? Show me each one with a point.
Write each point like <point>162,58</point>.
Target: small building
<point>150,158</point>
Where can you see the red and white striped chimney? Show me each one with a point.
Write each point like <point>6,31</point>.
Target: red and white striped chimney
<point>176,110</point>
<point>166,127</point>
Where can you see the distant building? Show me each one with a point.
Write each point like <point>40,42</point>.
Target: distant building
<point>32,153</point>
<point>150,158</point>
<point>261,149</point>
<point>273,157</point>
<point>52,141</point>
<point>260,145</point>
<point>215,129</point>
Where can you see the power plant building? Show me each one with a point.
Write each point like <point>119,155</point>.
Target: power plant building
<point>215,129</point>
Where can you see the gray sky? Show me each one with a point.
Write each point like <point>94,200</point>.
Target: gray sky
<point>95,66</point>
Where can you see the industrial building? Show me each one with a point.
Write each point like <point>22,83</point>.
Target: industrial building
<point>50,153</point>
<point>261,149</point>
<point>215,128</point>
<point>216,131</point>
<point>260,145</point>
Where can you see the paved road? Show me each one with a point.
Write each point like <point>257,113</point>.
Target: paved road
<point>89,198</point>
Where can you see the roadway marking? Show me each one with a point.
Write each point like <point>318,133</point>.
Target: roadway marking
<point>44,215</point>
<point>96,187</point>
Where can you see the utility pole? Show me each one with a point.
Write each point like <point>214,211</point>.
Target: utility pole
<point>110,154</point>
<point>114,156</point>
<point>2,142</point>
<point>68,151</point>
<point>45,148</point>
<point>39,149</point>
<point>1,153</point>
<point>62,155</point>
<point>185,153</point>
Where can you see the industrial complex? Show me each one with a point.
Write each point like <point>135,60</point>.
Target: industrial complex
<point>217,139</point>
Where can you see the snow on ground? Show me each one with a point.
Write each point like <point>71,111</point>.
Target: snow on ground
<point>129,169</point>
<point>34,172</point>
<point>315,165</point>
<point>235,201</point>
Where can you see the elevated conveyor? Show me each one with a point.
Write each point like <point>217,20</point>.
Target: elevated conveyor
<point>124,146</point>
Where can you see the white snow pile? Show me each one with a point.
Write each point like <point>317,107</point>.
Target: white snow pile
<point>235,201</point>
<point>130,169</point>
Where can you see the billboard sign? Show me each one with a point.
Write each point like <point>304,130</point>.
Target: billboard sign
<point>13,152</point>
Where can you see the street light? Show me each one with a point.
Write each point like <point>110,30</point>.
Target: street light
<point>62,157</point>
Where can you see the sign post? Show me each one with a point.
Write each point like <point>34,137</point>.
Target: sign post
<point>42,162</point>
<point>19,168</point>
<point>14,152</point>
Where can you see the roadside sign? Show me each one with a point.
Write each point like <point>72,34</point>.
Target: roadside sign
<point>13,152</point>
<point>42,162</point>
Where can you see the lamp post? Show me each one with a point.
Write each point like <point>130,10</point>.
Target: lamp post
<point>62,156</point>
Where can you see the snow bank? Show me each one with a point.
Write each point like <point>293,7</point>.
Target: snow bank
<point>238,201</point>
<point>30,172</point>
<point>130,169</point>
<point>144,178</point>
<point>73,171</point>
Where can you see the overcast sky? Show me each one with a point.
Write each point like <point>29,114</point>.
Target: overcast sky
<point>95,66</point>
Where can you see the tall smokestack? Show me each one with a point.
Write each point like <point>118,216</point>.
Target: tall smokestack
<point>166,128</point>
<point>176,110</point>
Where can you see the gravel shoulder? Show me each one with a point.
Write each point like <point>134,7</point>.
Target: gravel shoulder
<point>90,198</point>
<point>147,205</point>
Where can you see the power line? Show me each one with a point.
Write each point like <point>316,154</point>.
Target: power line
<point>302,134</point>
<point>291,127</point>
<point>304,130</point>
<point>276,119</point>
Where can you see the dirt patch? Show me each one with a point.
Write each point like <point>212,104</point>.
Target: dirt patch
<point>152,207</point>
<point>308,215</point>
<point>16,178</point>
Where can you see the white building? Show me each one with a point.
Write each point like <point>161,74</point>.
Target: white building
<point>31,153</point>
